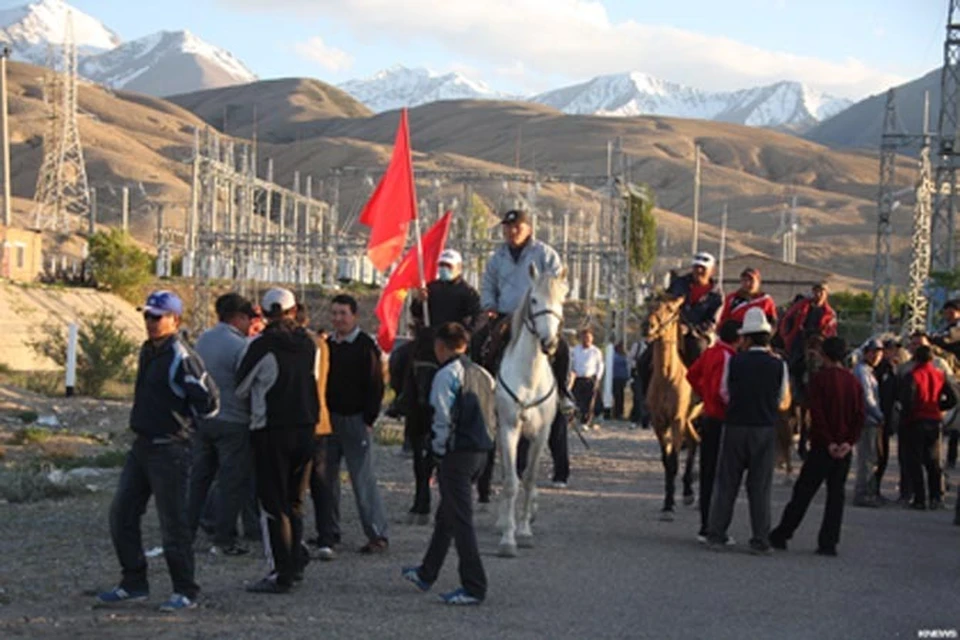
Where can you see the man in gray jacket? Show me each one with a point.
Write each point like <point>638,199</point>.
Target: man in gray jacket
<point>222,444</point>
<point>866,493</point>
<point>506,281</point>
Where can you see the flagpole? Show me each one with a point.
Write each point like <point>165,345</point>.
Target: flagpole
<point>416,231</point>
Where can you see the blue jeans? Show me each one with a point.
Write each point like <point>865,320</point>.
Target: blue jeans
<point>160,469</point>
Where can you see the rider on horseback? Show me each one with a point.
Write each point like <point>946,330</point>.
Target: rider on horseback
<point>948,338</point>
<point>808,317</point>
<point>505,282</point>
<point>702,300</point>
<point>746,297</point>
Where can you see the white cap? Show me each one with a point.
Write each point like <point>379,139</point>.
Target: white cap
<point>283,298</point>
<point>451,257</point>
<point>704,259</point>
<point>755,321</point>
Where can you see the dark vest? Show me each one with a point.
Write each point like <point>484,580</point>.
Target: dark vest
<point>754,381</point>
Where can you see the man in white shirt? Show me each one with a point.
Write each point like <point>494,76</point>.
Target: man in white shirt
<point>587,370</point>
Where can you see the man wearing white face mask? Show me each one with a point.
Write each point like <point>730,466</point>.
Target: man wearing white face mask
<point>450,298</point>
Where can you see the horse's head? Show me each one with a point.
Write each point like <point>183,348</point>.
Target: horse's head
<point>545,307</point>
<point>665,315</point>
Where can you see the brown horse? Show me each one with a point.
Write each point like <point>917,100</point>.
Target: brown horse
<point>670,397</point>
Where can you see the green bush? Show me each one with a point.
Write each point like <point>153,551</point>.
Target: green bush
<point>116,262</point>
<point>103,351</point>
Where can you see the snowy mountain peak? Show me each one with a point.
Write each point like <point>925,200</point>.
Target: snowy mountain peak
<point>28,30</point>
<point>401,86</point>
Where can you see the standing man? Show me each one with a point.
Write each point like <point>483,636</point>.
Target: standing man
<point>705,376</point>
<point>172,392</point>
<point>756,388</point>
<point>702,301</point>
<point>587,369</point>
<point>886,374</point>
<point>621,376</point>
<point>450,299</point>
<point>924,393</point>
<point>836,418</point>
<point>746,297</point>
<point>866,491</point>
<point>278,373</point>
<point>222,444</point>
<point>464,419</point>
<point>505,283</point>
<point>354,394</point>
<point>948,339</point>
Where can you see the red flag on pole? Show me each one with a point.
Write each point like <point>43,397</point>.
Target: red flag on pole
<point>407,276</point>
<point>393,204</point>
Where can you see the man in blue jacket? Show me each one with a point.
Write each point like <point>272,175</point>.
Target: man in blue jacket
<point>172,392</point>
<point>462,398</point>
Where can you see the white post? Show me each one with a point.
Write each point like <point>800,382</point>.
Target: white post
<point>7,211</point>
<point>723,244</point>
<point>696,200</point>
<point>72,335</point>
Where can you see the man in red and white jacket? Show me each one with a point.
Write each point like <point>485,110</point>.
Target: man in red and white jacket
<point>812,315</point>
<point>704,376</point>
<point>747,297</point>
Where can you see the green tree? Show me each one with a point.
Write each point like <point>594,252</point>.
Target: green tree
<point>643,227</point>
<point>103,350</point>
<point>117,263</point>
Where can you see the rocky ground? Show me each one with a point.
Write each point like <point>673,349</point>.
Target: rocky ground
<point>604,566</point>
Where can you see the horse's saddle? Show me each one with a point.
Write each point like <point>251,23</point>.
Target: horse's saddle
<point>492,348</point>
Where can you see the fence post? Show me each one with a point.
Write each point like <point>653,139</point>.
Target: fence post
<point>72,334</point>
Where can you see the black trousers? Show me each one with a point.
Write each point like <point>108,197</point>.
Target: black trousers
<point>883,457</point>
<point>819,467</point>
<point>619,388</point>
<point>160,470</point>
<point>585,395</point>
<point>710,430</point>
<point>283,458</point>
<point>903,461</point>
<point>486,477</point>
<point>952,442</point>
<point>423,466</point>
<point>924,439</point>
<point>458,471</point>
<point>559,451</point>
<point>221,450</point>
<point>750,449</point>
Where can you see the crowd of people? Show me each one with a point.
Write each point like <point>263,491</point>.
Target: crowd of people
<point>263,409</point>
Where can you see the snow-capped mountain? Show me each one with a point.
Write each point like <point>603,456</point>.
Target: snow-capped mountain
<point>161,64</point>
<point>784,104</point>
<point>28,30</point>
<point>402,87</point>
<point>166,63</point>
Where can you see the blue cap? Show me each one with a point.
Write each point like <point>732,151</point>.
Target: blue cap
<point>163,303</point>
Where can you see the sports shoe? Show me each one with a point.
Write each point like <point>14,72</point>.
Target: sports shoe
<point>758,548</point>
<point>826,551</point>
<point>412,574</point>
<point>459,597</point>
<point>119,595</point>
<point>865,501</point>
<point>778,543</point>
<point>232,549</point>
<point>268,585</point>
<point>380,545</point>
<point>178,602</point>
<point>558,484</point>
<point>702,538</point>
<point>326,554</point>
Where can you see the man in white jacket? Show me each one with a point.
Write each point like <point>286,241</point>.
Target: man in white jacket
<point>866,493</point>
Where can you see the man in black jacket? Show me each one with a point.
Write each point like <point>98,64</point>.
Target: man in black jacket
<point>172,391</point>
<point>702,303</point>
<point>279,375</point>
<point>354,394</point>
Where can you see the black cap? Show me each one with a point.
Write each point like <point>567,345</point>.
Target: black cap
<point>515,216</point>
<point>952,304</point>
<point>232,303</point>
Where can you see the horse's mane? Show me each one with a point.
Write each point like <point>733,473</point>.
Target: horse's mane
<point>516,320</point>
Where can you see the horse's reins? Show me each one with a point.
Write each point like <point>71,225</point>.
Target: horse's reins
<point>530,326</point>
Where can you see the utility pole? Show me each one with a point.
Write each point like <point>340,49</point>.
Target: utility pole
<point>723,244</point>
<point>917,299</point>
<point>943,224</point>
<point>696,200</point>
<point>7,203</point>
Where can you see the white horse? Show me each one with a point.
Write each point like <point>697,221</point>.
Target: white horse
<point>527,399</point>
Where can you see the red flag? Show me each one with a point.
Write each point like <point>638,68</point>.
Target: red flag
<point>407,276</point>
<point>393,204</point>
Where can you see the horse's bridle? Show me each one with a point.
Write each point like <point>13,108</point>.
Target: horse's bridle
<point>529,321</point>
<point>675,318</point>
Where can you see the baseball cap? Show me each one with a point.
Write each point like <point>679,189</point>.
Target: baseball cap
<point>703,259</point>
<point>821,285</point>
<point>162,303</point>
<point>872,345</point>
<point>282,298</point>
<point>451,257</point>
<point>232,303</point>
<point>750,271</point>
<point>515,216</point>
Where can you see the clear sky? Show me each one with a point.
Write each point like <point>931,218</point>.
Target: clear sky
<point>849,48</point>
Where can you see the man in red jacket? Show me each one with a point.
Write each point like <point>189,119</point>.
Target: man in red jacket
<point>812,315</point>
<point>746,297</point>
<point>836,418</point>
<point>923,395</point>
<point>704,376</point>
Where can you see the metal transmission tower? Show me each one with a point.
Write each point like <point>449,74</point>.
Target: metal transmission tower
<point>917,301</point>
<point>880,316</point>
<point>62,186</point>
<point>943,223</point>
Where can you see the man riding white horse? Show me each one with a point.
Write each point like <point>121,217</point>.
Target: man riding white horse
<point>505,283</point>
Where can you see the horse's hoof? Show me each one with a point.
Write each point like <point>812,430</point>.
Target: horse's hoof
<point>689,499</point>
<point>525,542</point>
<point>507,550</point>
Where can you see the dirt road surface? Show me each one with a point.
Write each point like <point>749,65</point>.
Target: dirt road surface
<point>603,567</point>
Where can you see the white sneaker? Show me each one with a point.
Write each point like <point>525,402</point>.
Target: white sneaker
<point>558,485</point>
<point>326,553</point>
